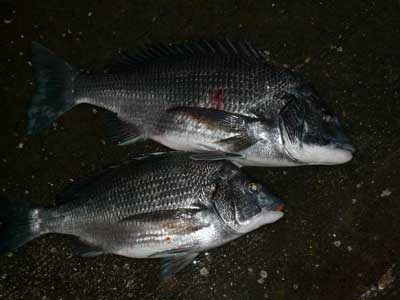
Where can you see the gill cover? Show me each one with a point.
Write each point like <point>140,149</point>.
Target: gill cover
<point>232,200</point>
<point>292,119</point>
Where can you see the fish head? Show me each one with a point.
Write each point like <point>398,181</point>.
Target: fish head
<point>245,204</point>
<point>311,133</point>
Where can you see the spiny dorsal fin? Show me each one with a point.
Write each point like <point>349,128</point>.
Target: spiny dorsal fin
<point>79,187</point>
<point>83,185</point>
<point>179,51</point>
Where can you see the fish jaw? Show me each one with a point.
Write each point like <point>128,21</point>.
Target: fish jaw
<point>308,154</point>
<point>304,153</point>
<point>325,155</point>
<point>264,218</point>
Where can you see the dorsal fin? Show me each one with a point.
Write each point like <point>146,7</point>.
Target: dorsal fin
<point>78,187</point>
<point>179,51</point>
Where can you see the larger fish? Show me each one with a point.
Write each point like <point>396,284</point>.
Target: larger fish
<point>167,206</point>
<point>221,98</point>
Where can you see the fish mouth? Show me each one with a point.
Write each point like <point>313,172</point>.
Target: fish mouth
<point>280,207</point>
<point>344,148</point>
<point>270,202</point>
<point>338,139</point>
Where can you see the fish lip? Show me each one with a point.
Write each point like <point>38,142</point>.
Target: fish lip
<point>280,207</point>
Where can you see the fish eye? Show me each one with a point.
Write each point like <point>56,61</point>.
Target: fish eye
<point>254,187</point>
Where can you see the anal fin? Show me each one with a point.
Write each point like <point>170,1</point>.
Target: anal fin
<point>85,249</point>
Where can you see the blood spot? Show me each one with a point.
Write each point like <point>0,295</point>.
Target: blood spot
<point>216,97</point>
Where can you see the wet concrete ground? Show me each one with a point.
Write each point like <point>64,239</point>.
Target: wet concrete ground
<point>340,238</point>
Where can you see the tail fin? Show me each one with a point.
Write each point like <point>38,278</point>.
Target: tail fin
<point>18,224</point>
<point>54,87</point>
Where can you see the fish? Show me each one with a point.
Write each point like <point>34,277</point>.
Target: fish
<point>163,205</point>
<point>219,100</point>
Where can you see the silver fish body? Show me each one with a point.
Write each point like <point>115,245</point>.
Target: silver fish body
<point>153,92</point>
<point>164,206</point>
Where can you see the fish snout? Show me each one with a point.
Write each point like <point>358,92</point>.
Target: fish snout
<point>278,204</point>
<point>270,202</point>
<point>345,145</point>
<point>339,139</point>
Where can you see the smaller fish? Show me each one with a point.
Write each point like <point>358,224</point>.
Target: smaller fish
<point>158,206</point>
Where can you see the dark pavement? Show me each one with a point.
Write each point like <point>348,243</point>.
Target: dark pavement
<point>340,237</point>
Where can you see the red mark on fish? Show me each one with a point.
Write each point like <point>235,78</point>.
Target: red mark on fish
<point>216,97</point>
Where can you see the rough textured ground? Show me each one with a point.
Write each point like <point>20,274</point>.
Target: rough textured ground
<point>340,238</point>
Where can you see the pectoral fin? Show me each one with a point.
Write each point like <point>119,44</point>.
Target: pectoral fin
<point>214,155</point>
<point>237,127</point>
<point>173,264</point>
<point>214,118</point>
<point>237,143</point>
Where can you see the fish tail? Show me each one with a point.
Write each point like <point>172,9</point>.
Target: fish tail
<point>54,79</point>
<point>19,223</point>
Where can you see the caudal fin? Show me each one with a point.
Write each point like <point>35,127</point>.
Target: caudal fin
<point>54,87</point>
<point>18,224</point>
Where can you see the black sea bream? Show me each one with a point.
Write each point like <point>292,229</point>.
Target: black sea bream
<point>166,206</point>
<point>221,98</point>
